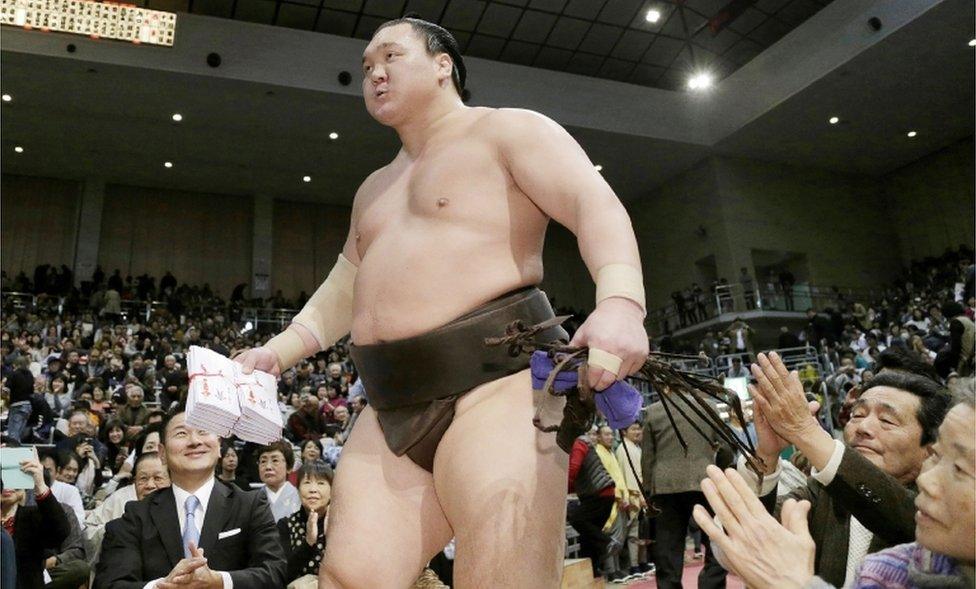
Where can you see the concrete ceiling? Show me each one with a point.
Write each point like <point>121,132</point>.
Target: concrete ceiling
<point>920,78</point>
<point>77,119</point>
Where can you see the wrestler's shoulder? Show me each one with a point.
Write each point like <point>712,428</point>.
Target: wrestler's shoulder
<point>513,119</point>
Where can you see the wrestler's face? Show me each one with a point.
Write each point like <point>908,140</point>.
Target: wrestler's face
<point>399,75</point>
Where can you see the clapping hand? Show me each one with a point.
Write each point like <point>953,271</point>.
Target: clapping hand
<point>192,573</point>
<point>779,396</point>
<point>766,554</point>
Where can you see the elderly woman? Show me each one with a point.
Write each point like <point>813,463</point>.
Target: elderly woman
<point>303,532</point>
<point>769,555</point>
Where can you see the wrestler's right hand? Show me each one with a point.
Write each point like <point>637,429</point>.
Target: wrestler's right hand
<point>261,358</point>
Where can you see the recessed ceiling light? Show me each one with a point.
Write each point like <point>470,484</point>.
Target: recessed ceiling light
<point>834,120</point>
<point>306,178</point>
<point>700,81</point>
<point>333,135</point>
<point>19,149</point>
<point>598,168</point>
<point>177,117</point>
<point>168,164</point>
<point>972,43</point>
<point>7,98</point>
<point>652,15</point>
<point>912,133</point>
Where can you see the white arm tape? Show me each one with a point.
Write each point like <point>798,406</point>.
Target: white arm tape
<point>327,315</point>
<point>604,360</point>
<point>620,280</point>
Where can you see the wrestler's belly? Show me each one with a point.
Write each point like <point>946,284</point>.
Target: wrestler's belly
<point>408,284</point>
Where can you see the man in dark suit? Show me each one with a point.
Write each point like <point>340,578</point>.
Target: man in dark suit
<point>862,490</point>
<point>673,477</point>
<point>198,533</point>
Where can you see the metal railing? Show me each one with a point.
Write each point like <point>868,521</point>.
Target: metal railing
<point>735,298</point>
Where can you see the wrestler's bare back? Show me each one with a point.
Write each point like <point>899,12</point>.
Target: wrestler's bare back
<point>437,236</point>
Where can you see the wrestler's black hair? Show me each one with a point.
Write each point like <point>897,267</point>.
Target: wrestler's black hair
<point>439,40</point>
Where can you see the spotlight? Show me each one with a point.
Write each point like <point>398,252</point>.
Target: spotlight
<point>213,59</point>
<point>177,117</point>
<point>834,120</point>
<point>306,178</point>
<point>972,43</point>
<point>652,16</point>
<point>7,98</point>
<point>345,78</point>
<point>875,23</point>
<point>912,133</point>
<point>19,149</point>
<point>333,135</point>
<point>598,168</point>
<point>168,164</point>
<point>700,81</point>
<point>247,327</point>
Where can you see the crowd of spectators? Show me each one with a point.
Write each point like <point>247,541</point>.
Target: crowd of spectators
<point>88,381</point>
<point>91,383</point>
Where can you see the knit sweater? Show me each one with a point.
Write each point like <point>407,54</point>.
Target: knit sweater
<point>907,566</point>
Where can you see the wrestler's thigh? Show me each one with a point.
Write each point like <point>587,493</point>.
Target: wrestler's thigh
<point>385,522</point>
<point>502,485</point>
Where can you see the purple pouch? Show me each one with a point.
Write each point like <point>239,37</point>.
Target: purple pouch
<point>620,403</point>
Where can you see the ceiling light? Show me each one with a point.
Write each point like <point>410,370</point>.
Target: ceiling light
<point>7,98</point>
<point>912,133</point>
<point>652,16</point>
<point>333,135</point>
<point>834,120</point>
<point>598,168</point>
<point>168,164</point>
<point>700,81</point>
<point>19,149</point>
<point>177,117</point>
<point>306,178</point>
<point>972,43</point>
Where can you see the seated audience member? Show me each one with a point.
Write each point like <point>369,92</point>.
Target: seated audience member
<point>861,490</point>
<point>34,528</point>
<point>303,532</point>
<point>308,451</point>
<point>227,467</point>
<point>275,461</point>
<point>343,424</point>
<point>196,531</point>
<point>67,566</point>
<point>113,438</point>
<point>149,475</point>
<point>306,423</point>
<point>67,495</point>
<point>134,415</point>
<point>768,555</point>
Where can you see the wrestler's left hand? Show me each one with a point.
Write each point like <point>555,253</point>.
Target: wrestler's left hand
<point>616,326</point>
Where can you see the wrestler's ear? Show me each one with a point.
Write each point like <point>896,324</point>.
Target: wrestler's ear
<point>445,67</point>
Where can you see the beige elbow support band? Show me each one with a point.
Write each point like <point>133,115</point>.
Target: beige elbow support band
<point>620,280</point>
<point>327,316</point>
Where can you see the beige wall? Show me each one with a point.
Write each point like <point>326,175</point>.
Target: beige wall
<point>38,217</point>
<point>307,238</point>
<point>838,220</point>
<point>201,238</point>
<point>933,201</point>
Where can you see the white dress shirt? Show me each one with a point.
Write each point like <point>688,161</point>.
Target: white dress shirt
<point>203,496</point>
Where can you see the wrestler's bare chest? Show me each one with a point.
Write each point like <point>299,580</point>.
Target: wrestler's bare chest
<point>439,235</point>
